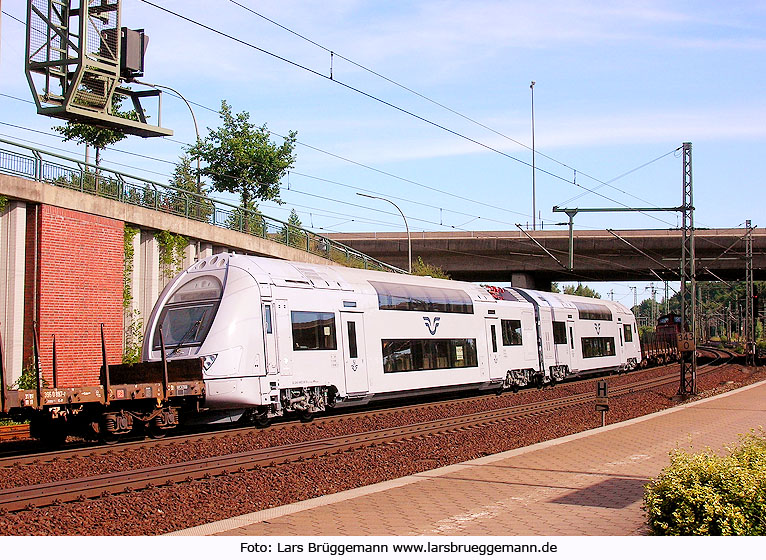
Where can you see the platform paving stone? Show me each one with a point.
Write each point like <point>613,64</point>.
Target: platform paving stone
<point>585,484</point>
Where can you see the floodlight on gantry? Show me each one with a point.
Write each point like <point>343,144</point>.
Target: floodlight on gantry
<point>76,60</point>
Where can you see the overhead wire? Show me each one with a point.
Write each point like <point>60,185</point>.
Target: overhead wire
<point>291,190</point>
<point>334,53</point>
<point>376,98</point>
<point>313,177</point>
<point>398,108</point>
<point>191,20</point>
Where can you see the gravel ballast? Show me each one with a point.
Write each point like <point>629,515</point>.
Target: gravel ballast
<point>169,508</point>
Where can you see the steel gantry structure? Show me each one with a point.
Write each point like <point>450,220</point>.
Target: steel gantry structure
<point>688,381</point>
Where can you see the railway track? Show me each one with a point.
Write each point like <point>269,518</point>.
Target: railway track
<point>31,455</point>
<point>41,495</point>
<point>80,449</point>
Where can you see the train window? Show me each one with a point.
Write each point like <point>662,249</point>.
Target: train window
<point>407,297</point>
<point>628,333</point>
<point>189,313</point>
<point>494,337</point>
<point>593,311</point>
<point>352,350</point>
<point>427,354</point>
<point>559,332</point>
<point>571,338</point>
<point>597,346</point>
<point>267,317</point>
<point>313,330</point>
<point>511,329</point>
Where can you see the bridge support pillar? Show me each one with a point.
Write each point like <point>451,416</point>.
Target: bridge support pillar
<point>149,273</point>
<point>523,280</point>
<point>13,225</point>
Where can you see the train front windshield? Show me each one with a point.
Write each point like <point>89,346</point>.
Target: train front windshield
<point>187,316</point>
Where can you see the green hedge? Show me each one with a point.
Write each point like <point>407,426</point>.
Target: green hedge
<point>705,494</point>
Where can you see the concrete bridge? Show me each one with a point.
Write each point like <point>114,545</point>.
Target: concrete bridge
<point>511,256</point>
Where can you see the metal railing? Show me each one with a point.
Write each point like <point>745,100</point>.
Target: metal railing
<point>62,171</point>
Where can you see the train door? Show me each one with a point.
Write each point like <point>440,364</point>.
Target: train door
<point>354,355</point>
<point>283,326</point>
<point>574,364</point>
<point>270,339</point>
<point>493,348</point>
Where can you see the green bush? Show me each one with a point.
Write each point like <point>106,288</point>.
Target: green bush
<point>705,494</point>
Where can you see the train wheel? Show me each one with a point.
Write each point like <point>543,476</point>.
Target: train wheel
<point>305,415</point>
<point>109,438</point>
<point>112,426</point>
<point>155,432</point>
<point>261,419</point>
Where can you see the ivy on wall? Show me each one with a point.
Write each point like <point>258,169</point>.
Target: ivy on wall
<point>171,249</point>
<point>133,337</point>
<point>171,256</point>
<point>3,202</point>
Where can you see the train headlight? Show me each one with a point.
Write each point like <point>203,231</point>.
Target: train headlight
<point>208,361</point>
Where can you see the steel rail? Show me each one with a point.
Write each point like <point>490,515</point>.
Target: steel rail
<point>79,450</point>
<point>14,499</point>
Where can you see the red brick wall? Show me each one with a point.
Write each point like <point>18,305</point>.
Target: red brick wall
<point>78,282</point>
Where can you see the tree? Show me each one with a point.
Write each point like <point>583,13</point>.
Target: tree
<point>292,233</point>
<point>185,179</point>
<point>581,290</point>
<point>97,136</point>
<point>241,158</point>
<point>421,268</point>
<point>247,220</point>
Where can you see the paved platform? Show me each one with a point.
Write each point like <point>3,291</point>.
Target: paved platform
<point>585,484</point>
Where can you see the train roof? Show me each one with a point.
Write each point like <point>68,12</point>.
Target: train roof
<point>309,275</point>
<point>569,301</point>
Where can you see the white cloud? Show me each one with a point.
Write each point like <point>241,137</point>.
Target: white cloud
<point>665,127</point>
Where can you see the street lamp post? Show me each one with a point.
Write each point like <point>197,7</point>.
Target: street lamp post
<point>534,209</point>
<point>409,239</point>
<point>194,118</point>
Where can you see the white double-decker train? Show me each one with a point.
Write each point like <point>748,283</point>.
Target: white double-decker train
<point>280,337</point>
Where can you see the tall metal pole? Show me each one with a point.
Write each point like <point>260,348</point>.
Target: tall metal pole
<point>194,119</point>
<point>688,384</point>
<point>749,315</point>
<point>409,239</point>
<point>534,209</point>
<point>635,298</point>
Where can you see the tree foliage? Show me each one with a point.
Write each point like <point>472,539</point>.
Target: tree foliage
<point>420,268</point>
<point>705,494</point>
<point>99,137</point>
<point>581,290</point>
<point>242,159</point>
<point>247,219</point>
<point>292,233</point>
<point>185,179</point>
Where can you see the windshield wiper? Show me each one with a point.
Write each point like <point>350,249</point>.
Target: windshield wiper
<point>193,329</point>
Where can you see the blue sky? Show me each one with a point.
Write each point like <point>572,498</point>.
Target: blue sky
<point>617,85</point>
